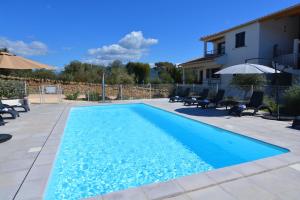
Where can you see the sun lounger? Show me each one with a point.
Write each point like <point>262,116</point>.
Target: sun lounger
<point>2,122</point>
<point>181,97</point>
<point>296,123</point>
<point>21,104</point>
<point>215,101</point>
<point>193,100</point>
<point>255,103</point>
<point>11,111</point>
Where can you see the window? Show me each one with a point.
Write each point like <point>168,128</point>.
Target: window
<point>207,73</point>
<point>200,81</point>
<point>240,40</point>
<point>221,48</point>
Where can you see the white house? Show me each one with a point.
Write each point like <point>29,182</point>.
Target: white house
<point>274,37</point>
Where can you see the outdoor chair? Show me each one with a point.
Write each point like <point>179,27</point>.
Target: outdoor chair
<point>181,97</point>
<point>22,104</point>
<point>11,111</point>
<point>2,122</point>
<point>194,99</point>
<point>296,123</point>
<point>255,103</point>
<point>215,101</point>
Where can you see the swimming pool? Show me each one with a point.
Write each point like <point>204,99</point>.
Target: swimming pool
<point>115,147</point>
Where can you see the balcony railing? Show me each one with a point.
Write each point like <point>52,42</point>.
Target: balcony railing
<point>215,52</point>
<point>288,59</point>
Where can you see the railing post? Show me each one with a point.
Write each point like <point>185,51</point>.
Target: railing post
<point>150,90</point>
<point>121,92</point>
<point>40,93</point>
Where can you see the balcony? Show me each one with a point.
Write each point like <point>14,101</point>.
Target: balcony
<point>218,55</point>
<point>215,53</point>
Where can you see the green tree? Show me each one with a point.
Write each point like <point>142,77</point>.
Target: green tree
<point>190,76</point>
<point>44,74</point>
<point>82,72</point>
<point>141,71</point>
<point>117,74</point>
<point>168,72</point>
<point>4,50</point>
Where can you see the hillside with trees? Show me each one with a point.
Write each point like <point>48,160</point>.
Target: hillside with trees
<point>115,73</point>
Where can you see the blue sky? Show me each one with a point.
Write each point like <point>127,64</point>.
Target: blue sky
<point>57,32</point>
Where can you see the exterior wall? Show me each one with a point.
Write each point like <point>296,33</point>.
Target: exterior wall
<point>197,67</point>
<point>250,50</point>
<point>234,55</point>
<point>282,32</point>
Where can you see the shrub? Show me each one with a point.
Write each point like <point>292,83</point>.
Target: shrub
<point>11,89</point>
<point>72,96</point>
<point>92,96</point>
<point>292,100</point>
<point>271,103</point>
<point>241,80</point>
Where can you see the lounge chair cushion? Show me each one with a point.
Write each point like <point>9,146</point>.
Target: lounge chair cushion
<point>237,110</point>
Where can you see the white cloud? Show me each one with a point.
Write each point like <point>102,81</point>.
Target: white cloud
<point>20,47</point>
<point>136,40</point>
<point>131,47</point>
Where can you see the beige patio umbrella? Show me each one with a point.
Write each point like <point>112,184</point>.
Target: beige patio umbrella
<point>11,61</point>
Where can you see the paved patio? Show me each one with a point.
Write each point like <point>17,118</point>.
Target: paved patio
<point>26,160</point>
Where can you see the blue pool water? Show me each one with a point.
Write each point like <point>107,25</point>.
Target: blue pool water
<point>115,147</point>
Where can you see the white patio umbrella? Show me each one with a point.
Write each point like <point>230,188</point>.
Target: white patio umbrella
<point>247,68</point>
<point>250,68</point>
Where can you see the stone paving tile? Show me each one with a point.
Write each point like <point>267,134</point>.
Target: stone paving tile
<point>248,168</point>
<point>14,165</point>
<point>162,190</point>
<point>244,189</point>
<point>224,174</point>
<point>22,155</point>
<point>130,194</point>
<point>45,159</point>
<point>32,190</point>
<point>270,163</point>
<point>39,172</point>
<point>278,183</point>
<point>211,193</point>
<point>180,197</point>
<point>8,192</point>
<point>93,198</point>
<point>195,181</point>
<point>12,178</point>
<point>289,157</point>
